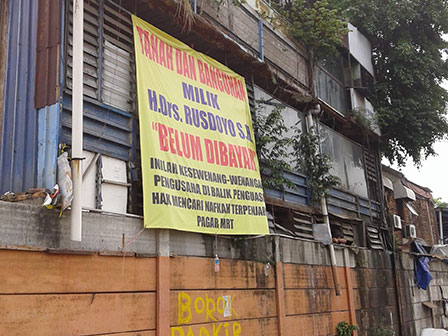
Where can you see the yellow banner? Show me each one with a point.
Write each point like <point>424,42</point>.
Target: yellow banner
<point>199,165</point>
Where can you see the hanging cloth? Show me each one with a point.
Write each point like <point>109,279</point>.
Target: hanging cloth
<point>421,266</point>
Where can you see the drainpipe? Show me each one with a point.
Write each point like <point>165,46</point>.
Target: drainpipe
<point>440,228</point>
<point>324,209</point>
<point>77,118</point>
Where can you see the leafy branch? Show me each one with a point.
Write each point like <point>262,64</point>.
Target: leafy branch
<point>272,145</point>
<point>317,26</point>
<point>408,48</point>
<point>345,329</point>
<point>314,164</point>
<point>218,3</point>
<point>358,115</point>
<point>274,149</point>
<point>439,203</point>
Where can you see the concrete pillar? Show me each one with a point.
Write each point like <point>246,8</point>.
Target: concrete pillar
<point>279,289</point>
<point>163,283</point>
<point>349,284</point>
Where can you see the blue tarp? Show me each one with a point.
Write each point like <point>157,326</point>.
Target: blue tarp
<point>421,267</point>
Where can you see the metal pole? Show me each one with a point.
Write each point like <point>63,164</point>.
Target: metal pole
<point>324,209</point>
<point>77,118</point>
<point>334,269</point>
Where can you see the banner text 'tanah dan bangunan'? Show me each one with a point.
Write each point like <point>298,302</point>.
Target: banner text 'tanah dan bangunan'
<point>200,169</point>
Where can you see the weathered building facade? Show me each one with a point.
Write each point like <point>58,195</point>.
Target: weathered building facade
<point>122,280</point>
<point>410,208</point>
<point>237,36</point>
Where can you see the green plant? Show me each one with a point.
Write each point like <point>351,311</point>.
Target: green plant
<point>381,331</point>
<point>317,26</point>
<point>272,144</point>
<point>439,203</point>
<point>218,3</point>
<point>314,164</point>
<point>345,329</point>
<point>408,46</point>
<point>186,13</point>
<point>365,124</point>
<point>359,116</point>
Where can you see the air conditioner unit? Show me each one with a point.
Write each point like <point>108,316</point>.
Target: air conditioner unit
<point>397,222</point>
<point>409,231</point>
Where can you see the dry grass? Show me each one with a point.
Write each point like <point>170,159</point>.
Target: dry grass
<point>185,13</point>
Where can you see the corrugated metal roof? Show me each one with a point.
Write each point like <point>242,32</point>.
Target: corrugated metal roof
<point>18,151</point>
<point>419,190</point>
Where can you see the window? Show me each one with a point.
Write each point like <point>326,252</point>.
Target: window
<point>329,83</point>
<point>109,71</point>
<point>265,103</point>
<point>347,160</point>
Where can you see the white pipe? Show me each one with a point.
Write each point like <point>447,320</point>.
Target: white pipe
<point>77,118</point>
<point>337,284</point>
<point>441,242</point>
<point>324,209</point>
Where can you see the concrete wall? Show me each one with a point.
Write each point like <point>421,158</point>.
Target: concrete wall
<point>414,301</point>
<point>52,286</point>
<point>240,299</point>
<point>375,292</point>
<point>61,294</point>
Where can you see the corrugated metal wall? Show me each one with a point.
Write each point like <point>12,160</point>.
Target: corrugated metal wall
<point>106,130</point>
<point>4,10</point>
<point>48,121</point>
<point>108,80</point>
<point>18,151</point>
<point>47,89</point>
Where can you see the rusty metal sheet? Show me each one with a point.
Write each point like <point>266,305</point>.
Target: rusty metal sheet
<point>48,40</point>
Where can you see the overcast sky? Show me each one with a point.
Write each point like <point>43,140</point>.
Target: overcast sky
<point>433,173</point>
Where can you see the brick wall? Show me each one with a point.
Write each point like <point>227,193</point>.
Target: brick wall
<point>425,223</point>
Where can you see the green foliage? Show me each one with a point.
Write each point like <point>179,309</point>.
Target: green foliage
<point>345,329</point>
<point>316,25</point>
<point>314,164</point>
<point>364,123</point>
<point>274,148</point>
<point>439,203</point>
<point>379,330</point>
<point>408,45</point>
<point>272,145</point>
<point>218,3</point>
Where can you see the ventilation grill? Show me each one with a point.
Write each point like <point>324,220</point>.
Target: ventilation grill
<point>374,237</point>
